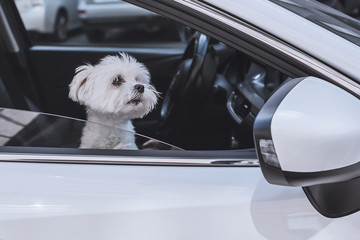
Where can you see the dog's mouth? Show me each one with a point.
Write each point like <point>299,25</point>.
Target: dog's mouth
<point>135,101</point>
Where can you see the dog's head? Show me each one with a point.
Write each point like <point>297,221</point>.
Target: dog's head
<point>117,85</point>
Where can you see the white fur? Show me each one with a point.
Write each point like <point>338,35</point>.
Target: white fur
<point>112,105</point>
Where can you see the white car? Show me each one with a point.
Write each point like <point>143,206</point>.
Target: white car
<point>55,17</point>
<point>264,100</point>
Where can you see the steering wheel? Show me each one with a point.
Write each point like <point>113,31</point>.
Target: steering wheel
<point>191,82</point>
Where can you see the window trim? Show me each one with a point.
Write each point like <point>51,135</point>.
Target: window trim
<point>215,158</point>
<point>254,41</point>
<point>249,39</point>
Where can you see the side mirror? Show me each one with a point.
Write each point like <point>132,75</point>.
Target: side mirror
<point>308,134</point>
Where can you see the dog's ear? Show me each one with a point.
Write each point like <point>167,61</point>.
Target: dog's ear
<point>78,83</point>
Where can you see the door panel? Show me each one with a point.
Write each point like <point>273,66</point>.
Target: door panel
<point>136,202</point>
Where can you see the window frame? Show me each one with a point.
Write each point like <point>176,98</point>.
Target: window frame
<point>238,34</point>
<point>249,39</point>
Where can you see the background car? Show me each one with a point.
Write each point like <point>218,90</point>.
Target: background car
<point>99,16</point>
<point>55,17</point>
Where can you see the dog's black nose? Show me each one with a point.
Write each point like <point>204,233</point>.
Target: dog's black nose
<point>139,88</point>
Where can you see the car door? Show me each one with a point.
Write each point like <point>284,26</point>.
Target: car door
<point>51,189</point>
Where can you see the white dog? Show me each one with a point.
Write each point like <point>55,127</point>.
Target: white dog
<point>114,91</point>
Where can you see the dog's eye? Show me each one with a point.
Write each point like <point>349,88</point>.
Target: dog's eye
<point>118,80</point>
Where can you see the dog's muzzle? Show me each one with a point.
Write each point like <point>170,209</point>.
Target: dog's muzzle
<point>135,101</point>
<point>139,88</point>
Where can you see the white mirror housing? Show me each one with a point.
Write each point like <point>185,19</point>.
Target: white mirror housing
<point>308,133</point>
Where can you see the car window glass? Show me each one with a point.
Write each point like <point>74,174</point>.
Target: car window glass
<point>210,92</point>
<point>97,22</point>
<point>32,129</point>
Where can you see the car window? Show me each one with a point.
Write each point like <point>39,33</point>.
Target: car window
<point>97,22</point>
<point>210,93</point>
<point>33,129</point>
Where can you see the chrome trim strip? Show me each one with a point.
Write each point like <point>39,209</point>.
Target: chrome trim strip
<point>122,160</point>
<point>274,43</point>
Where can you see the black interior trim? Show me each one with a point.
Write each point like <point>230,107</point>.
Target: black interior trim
<point>12,87</point>
<point>18,58</point>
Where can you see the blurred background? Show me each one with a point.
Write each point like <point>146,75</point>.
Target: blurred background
<point>113,22</point>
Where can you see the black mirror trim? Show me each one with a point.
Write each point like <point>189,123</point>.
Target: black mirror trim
<point>335,200</point>
<point>323,177</point>
<point>262,130</point>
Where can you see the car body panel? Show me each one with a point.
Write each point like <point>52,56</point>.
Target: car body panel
<point>57,201</point>
<point>99,16</point>
<point>33,17</point>
<point>115,11</point>
<point>40,17</point>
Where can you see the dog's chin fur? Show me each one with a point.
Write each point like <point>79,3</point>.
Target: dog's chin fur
<point>111,103</point>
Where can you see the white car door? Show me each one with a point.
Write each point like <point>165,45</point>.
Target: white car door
<point>57,193</point>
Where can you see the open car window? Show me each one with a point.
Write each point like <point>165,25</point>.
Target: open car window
<point>210,93</point>
<point>27,136</point>
<point>33,129</point>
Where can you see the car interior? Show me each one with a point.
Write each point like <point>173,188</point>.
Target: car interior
<point>210,92</point>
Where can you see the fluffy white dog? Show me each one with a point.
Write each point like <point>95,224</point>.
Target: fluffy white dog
<point>114,91</point>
